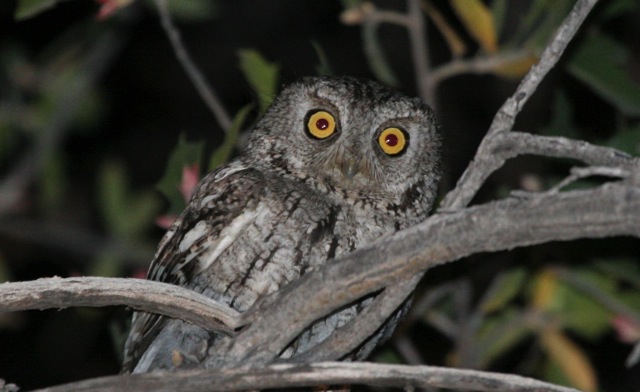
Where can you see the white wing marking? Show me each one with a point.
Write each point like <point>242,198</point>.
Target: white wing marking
<point>201,228</point>
<point>227,236</point>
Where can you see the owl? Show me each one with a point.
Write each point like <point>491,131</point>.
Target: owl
<point>333,164</point>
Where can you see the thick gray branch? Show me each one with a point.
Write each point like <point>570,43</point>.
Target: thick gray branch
<point>324,373</point>
<point>610,210</point>
<point>350,336</point>
<point>140,294</point>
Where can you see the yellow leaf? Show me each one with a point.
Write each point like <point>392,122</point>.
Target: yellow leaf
<point>544,290</point>
<point>478,20</point>
<point>517,67</point>
<point>571,359</point>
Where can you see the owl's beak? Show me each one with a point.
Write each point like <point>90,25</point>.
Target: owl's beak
<point>350,167</point>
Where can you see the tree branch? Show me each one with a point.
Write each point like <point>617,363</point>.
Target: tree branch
<point>478,171</point>
<point>207,93</point>
<point>609,210</point>
<point>420,53</point>
<point>140,294</point>
<point>351,335</point>
<point>319,374</point>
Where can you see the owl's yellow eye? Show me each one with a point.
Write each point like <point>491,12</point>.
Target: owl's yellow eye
<point>392,141</point>
<point>321,125</point>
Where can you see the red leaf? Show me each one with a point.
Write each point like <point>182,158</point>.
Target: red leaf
<point>109,7</point>
<point>190,178</point>
<point>165,221</point>
<point>628,330</point>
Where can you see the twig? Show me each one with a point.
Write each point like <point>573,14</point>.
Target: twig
<point>479,65</point>
<point>206,91</point>
<point>420,53</point>
<point>323,373</point>
<point>507,145</point>
<point>377,16</point>
<point>477,171</point>
<point>140,294</point>
<point>578,173</point>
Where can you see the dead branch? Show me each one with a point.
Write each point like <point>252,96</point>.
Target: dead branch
<point>323,373</point>
<point>481,166</point>
<point>609,210</point>
<point>140,294</point>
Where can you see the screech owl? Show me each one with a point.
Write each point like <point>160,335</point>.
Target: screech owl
<point>333,164</point>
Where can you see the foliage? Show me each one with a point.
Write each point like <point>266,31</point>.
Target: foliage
<point>545,311</point>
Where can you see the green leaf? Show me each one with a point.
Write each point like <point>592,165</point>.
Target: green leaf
<point>578,310</point>
<point>387,356</point>
<point>185,154</point>
<point>106,264</point>
<point>127,214</point>
<point>600,62</point>
<point>499,12</point>
<point>552,293</point>
<point>112,189</point>
<point>222,154</point>
<point>30,8</point>
<point>499,334</point>
<point>618,7</point>
<point>376,57</point>
<point>324,68</point>
<point>503,289</point>
<point>261,75</point>
<point>626,270</point>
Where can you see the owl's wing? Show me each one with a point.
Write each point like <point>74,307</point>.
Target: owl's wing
<point>220,208</point>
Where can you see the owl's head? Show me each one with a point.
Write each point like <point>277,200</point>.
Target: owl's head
<point>349,136</point>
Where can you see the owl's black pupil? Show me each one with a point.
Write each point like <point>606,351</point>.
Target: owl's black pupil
<point>322,124</point>
<point>391,140</point>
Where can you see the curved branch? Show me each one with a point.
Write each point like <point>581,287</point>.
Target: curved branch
<point>323,373</point>
<point>609,210</point>
<point>140,294</point>
<point>475,174</point>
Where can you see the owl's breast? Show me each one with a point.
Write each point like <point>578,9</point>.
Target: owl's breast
<point>288,232</point>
